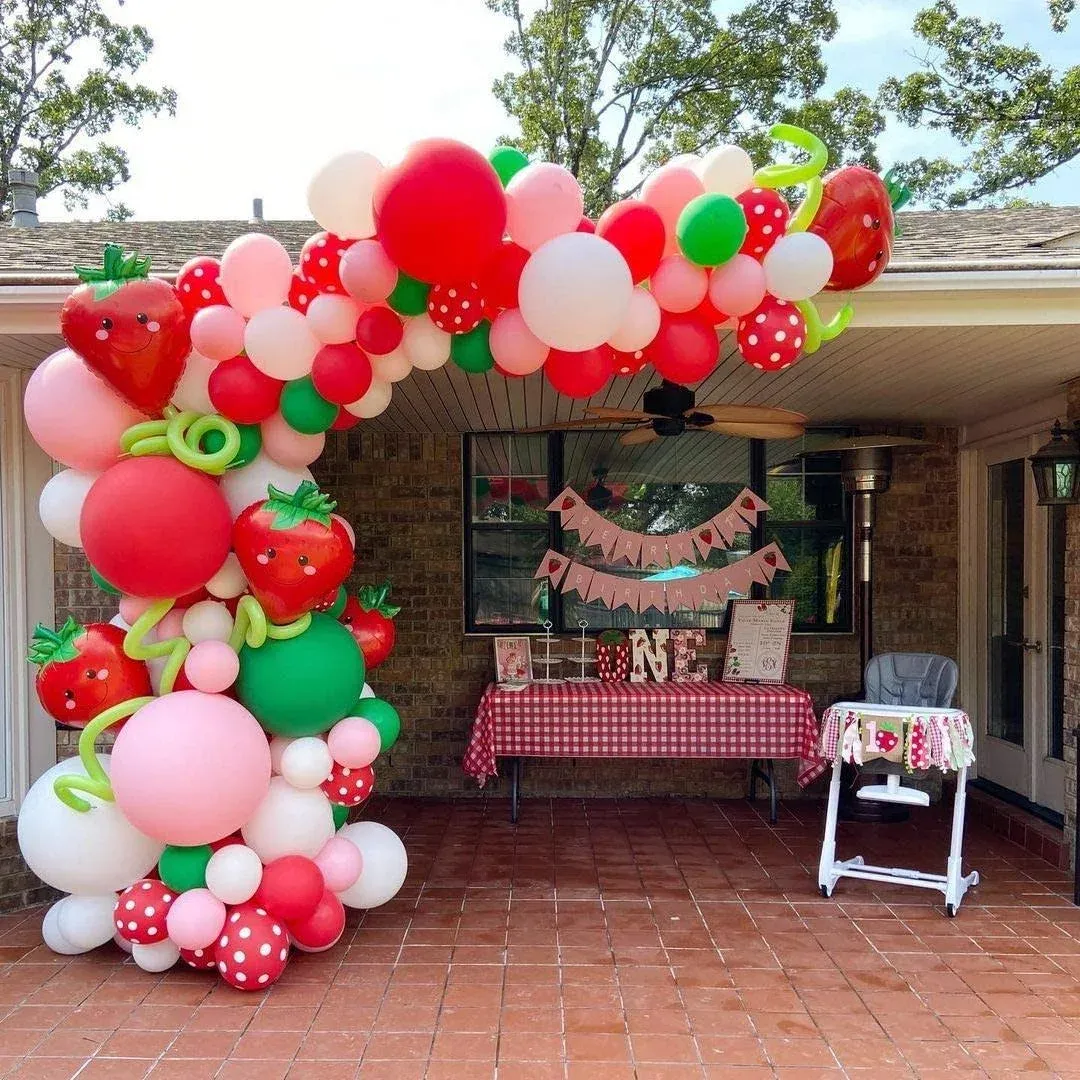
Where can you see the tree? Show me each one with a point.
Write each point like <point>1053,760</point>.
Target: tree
<point>65,69</point>
<point>1018,118</point>
<point>609,88</point>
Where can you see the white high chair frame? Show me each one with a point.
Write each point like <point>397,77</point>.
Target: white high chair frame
<point>953,884</point>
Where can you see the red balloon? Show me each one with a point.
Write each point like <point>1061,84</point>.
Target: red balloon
<point>344,421</point>
<point>637,230</point>
<point>499,281</point>
<point>341,373</point>
<point>586,225</point>
<point>441,212</point>
<point>378,331</point>
<point>301,292</point>
<point>705,312</point>
<point>456,309</point>
<point>291,887</point>
<point>684,349</point>
<point>629,363</point>
<point>320,261</point>
<point>242,393</point>
<point>197,284</point>
<point>155,528</point>
<point>771,337</point>
<point>322,928</point>
<point>580,374</point>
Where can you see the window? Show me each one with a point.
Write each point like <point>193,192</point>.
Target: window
<point>660,487</point>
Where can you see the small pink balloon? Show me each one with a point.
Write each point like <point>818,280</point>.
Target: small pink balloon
<point>737,287</point>
<point>195,918</point>
<point>640,324</point>
<point>131,607</point>
<point>75,416</point>
<point>332,318</point>
<point>218,332</point>
<point>668,191</point>
<point>354,742</point>
<point>190,768</point>
<point>256,273</point>
<point>212,667</point>
<point>542,201</point>
<point>515,348</point>
<point>340,868</point>
<point>288,447</point>
<point>367,272</point>
<point>171,626</point>
<point>678,285</point>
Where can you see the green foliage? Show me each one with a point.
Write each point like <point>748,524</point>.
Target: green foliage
<point>610,88</point>
<point>1016,117</point>
<point>65,69</point>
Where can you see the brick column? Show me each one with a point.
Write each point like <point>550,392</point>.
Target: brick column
<point>1072,645</point>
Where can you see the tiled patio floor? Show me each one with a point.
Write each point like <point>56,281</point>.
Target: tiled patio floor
<point>603,939</point>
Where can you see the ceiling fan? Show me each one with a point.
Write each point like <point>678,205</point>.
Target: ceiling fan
<point>669,410</point>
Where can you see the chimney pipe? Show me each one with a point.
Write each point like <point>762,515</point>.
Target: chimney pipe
<point>257,210</point>
<point>23,184</point>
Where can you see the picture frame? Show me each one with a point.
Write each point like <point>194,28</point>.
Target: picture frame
<point>758,641</point>
<point>513,660</point>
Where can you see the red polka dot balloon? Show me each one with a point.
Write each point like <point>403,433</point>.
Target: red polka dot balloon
<point>456,309</point>
<point>301,292</point>
<point>320,261</point>
<point>771,337</point>
<point>766,219</point>
<point>199,959</point>
<point>349,787</point>
<point>629,363</point>
<point>197,284</point>
<point>253,949</point>
<point>140,912</point>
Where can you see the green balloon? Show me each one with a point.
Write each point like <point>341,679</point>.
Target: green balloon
<point>711,229</point>
<point>471,351</point>
<point>341,814</point>
<point>409,296</point>
<point>506,161</point>
<point>384,716</point>
<point>101,583</point>
<point>304,409</point>
<point>183,868</point>
<point>302,685</point>
<point>250,444</point>
<point>338,606</point>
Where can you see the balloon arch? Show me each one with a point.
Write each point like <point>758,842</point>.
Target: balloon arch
<point>235,673</point>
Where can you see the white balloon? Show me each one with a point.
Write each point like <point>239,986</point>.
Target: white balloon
<point>229,581</point>
<point>306,762</point>
<point>242,487</point>
<point>390,367</point>
<point>95,852</point>
<point>192,390</point>
<point>234,873</point>
<point>289,822</point>
<point>426,346</point>
<point>61,502</point>
<point>279,342</point>
<point>122,944</point>
<point>332,318</point>
<point>118,620</point>
<point>385,864</point>
<point>157,957</point>
<point>727,170</point>
<point>798,266</point>
<point>87,922</point>
<point>340,193</point>
<point>640,323</point>
<point>50,931</point>
<point>574,291</point>
<point>375,401</point>
<point>207,621</point>
<point>367,692</point>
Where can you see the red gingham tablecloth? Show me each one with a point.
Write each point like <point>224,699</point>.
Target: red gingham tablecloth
<point>650,719</point>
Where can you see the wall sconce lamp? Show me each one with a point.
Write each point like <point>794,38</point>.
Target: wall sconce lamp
<point>1056,467</point>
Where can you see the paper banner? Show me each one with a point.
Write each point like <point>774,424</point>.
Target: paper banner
<point>587,522</point>
<point>553,567</point>
<point>680,594</point>
<point>680,548</point>
<point>566,504</point>
<point>627,593</point>
<point>607,536</point>
<point>651,595</point>
<point>628,546</point>
<point>653,551</point>
<point>577,579</point>
<point>748,505</point>
<point>603,588</point>
<point>773,556</point>
<point>703,537</point>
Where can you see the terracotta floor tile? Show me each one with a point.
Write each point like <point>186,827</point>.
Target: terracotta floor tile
<point>785,1025</point>
<point>599,1070</point>
<point>731,1051</point>
<point>398,1047</point>
<point>799,1052</point>
<point>323,1070</point>
<point>76,1042</point>
<point>392,1070</point>
<point>529,1046</point>
<point>662,1021</point>
<point>185,1069</point>
<point>137,1043</point>
<point>202,1044</point>
<point>116,1068</point>
<point>610,1020</point>
<point>267,1069</point>
<point>663,1048</point>
<point>332,1046</point>
<point>589,1046</point>
<point>57,1068</point>
<point>531,1070</point>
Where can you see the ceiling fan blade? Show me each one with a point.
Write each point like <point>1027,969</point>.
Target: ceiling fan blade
<point>570,425</point>
<point>758,431</point>
<point>749,414</point>
<point>639,436</point>
<point>618,414</point>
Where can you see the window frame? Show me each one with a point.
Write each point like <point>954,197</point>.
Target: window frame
<point>555,443</point>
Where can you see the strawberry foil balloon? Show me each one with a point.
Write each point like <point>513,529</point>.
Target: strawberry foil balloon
<point>130,328</point>
<point>294,553</point>
<point>370,617</point>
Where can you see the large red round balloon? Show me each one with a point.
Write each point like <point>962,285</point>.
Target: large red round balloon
<point>291,887</point>
<point>242,393</point>
<point>344,421</point>
<point>580,374</point>
<point>155,528</point>
<point>499,281</point>
<point>637,230</point>
<point>441,212</point>
<point>341,373</point>
<point>378,331</point>
<point>684,350</point>
<point>322,928</point>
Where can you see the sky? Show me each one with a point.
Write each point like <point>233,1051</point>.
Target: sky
<point>268,92</point>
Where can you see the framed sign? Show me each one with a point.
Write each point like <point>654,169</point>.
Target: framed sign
<point>758,641</point>
<point>513,660</point>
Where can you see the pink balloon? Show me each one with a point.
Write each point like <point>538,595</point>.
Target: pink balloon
<point>256,273</point>
<point>737,287</point>
<point>354,742</point>
<point>640,324</point>
<point>195,918</point>
<point>212,667</point>
<point>288,447</point>
<point>74,416</point>
<point>668,191</point>
<point>332,318</point>
<point>367,272</point>
<point>515,348</point>
<point>190,768</point>
<point>678,284</point>
<point>171,626</point>
<point>340,867</point>
<point>131,607</point>
<point>542,202</point>
<point>218,332</point>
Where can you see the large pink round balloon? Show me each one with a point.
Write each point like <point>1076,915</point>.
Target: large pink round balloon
<point>542,201</point>
<point>514,347</point>
<point>190,768</point>
<point>668,191</point>
<point>678,285</point>
<point>74,416</point>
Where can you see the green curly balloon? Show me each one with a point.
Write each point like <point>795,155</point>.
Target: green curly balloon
<point>785,175</point>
